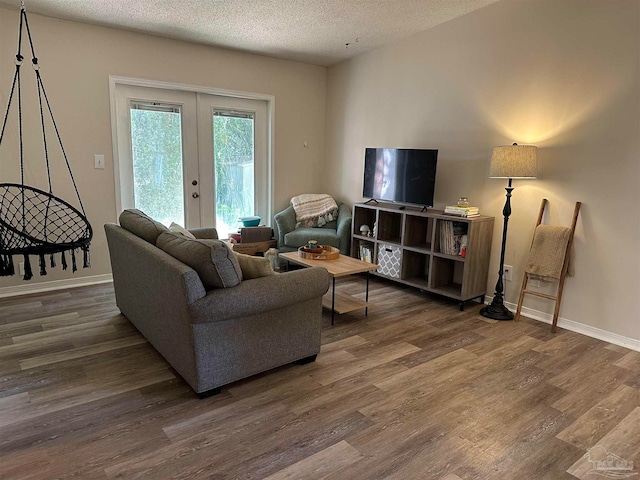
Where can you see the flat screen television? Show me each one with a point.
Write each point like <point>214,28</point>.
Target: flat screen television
<point>400,175</point>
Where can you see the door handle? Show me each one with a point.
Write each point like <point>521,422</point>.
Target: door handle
<point>195,194</point>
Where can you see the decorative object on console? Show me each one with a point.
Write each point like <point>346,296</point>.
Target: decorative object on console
<point>511,161</point>
<point>464,240</point>
<point>365,231</point>
<point>458,211</point>
<point>463,202</point>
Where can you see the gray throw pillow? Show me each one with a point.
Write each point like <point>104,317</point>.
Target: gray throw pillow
<point>214,262</point>
<point>141,225</point>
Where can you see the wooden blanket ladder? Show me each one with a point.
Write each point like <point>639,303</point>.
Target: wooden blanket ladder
<point>565,267</point>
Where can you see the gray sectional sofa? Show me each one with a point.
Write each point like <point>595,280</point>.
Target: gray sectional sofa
<point>212,336</point>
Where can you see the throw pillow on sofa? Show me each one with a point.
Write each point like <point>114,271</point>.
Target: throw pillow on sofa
<point>174,227</point>
<point>254,267</point>
<point>211,259</point>
<point>141,225</point>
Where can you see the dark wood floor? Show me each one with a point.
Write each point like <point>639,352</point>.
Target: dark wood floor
<point>416,390</point>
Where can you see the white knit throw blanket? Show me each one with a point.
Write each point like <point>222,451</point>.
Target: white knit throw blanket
<point>314,209</point>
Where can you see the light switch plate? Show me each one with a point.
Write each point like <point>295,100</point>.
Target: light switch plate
<point>98,161</point>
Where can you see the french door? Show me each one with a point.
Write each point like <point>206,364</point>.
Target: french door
<point>192,158</point>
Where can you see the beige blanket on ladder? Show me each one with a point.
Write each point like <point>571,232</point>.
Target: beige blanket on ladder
<point>546,257</point>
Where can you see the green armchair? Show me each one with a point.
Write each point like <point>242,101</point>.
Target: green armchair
<point>336,233</point>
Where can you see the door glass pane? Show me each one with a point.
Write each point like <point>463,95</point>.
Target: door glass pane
<point>156,144</point>
<point>233,152</point>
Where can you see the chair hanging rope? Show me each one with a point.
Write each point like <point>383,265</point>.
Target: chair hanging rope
<point>34,221</point>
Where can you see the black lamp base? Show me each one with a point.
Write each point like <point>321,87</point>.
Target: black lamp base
<point>496,312</point>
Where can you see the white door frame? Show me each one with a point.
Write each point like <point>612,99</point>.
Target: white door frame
<point>269,99</point>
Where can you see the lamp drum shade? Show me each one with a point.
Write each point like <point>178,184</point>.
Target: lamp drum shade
<point>514,161</point>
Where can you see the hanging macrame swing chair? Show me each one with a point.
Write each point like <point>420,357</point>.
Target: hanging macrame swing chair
<point>34,221</point>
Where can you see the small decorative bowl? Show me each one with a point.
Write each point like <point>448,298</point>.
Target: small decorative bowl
<point>253,221</point>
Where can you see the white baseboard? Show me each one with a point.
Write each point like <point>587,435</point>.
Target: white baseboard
<point>27,289</point>
<point>577,327</point>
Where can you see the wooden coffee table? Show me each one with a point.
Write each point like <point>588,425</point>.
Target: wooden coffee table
<point>340,267</point>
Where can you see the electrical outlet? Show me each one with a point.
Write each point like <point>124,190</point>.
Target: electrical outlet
<point>507,272</point>
<point>22,268</point>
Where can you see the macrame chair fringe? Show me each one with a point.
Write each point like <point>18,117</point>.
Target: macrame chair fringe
<point>43,265</point>
<point>73,261</point>
<point>86,261</point>
<point>34,221</point>
<point>6,266</point>
<point>28,274</point>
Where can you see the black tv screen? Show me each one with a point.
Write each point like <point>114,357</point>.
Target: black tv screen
<point>400,175</point>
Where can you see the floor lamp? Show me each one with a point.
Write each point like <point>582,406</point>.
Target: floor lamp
<point>511,161</point>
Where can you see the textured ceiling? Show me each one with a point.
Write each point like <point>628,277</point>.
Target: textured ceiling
<point>309,31</point>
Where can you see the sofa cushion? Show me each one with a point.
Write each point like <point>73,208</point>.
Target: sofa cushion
<point>301,236</point>
<point>214,262</point>
<point>254,267</point>
<point>141,225</point>
<point>174,227</point>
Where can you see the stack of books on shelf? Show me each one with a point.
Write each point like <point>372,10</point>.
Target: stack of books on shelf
<point>365,253</point>
<point>453,238</point>
<point>466,212</point>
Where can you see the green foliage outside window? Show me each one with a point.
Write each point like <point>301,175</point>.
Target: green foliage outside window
<point>233,140</point>
<point>156,141</point>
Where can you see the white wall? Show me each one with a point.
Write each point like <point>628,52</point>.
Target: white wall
<point>562,75</point>
<point>77,61</point>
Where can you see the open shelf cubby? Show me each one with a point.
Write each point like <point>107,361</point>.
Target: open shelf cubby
<point>427,248</point>
<point>389,227</point>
